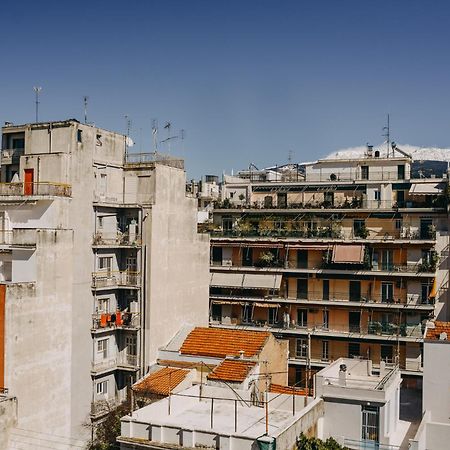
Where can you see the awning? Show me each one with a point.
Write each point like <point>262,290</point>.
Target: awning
<point>427,188</point>
<point>434,290</point>
<point>246,280</point>
<point>261,281</point>
<point>267,305</point>
<point>348,254</point>
<point>224,279</point>
<point>227,302</point>
<point>309,246</point>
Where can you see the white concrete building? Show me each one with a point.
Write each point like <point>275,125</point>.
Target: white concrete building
<point>100,265</point>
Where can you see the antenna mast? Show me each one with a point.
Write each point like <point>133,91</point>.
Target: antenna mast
<point>85,101</point>
<point>155,135</point>
<point>37,90</point>
<point>387,135</point>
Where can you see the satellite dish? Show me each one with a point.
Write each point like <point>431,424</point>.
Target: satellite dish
<point>333,177</point>
<point>129,141</point>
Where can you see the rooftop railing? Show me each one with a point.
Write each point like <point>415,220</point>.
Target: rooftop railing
<point>32,189</point>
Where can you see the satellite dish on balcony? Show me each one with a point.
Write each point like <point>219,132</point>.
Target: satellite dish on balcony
<point>333,177</point>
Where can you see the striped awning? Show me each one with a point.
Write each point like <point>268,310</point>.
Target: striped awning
<point>348,254</point>
<point>246,280</point>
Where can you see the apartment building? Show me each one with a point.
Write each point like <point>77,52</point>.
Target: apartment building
<point>344,258</point>
<point>100,265</point>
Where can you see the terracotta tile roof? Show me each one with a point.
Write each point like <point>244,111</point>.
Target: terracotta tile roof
<point>231,370</point>
<point>161,381</point>
<point>219,343</point>
<point>439,327</point>
<point>279,389</point>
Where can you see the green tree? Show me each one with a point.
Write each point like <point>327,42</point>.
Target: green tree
<point>312,443</point>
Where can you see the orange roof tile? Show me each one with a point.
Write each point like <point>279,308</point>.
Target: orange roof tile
<point>161,382</point>
<point>439,327</point>
<point>231,370</point>
<point>279,389</point>
<point>219,342</point>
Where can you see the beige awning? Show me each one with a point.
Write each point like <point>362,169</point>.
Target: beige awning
<point>309,246</point>
<point>227,302</point>
<point>246,280</point>
<point>348,254</point>
<point>261,281</point>
<point>267,305</point>
<point>224,279</point>
<point>427,188</point>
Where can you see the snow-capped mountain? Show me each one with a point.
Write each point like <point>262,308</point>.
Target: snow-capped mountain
<point>417,153</point>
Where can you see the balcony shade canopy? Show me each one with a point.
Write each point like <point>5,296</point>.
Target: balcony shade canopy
<point>246,280</point>
<point>348,254</point>
<point>427,188</point>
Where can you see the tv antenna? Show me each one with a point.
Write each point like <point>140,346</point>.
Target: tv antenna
<point>85,102</point>
<point>37,90</point>
<point>127,137</point>
<point>290,156</point>
<point>155,134</point>
<point>387,135</point>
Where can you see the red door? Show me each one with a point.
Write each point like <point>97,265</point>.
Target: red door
<point>28,182</point>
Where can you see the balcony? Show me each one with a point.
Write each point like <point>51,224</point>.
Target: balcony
<point>115,320</point>
<point>116,279</point>
<point>104,365</point>
<point>11,155</point>
<point>121,361</point>
<point>116,239</point>
<point>43,189</point>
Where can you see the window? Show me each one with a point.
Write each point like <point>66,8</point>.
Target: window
<point>216,312</point>
<point>353,350</point>
<point>131,345</point>
<point>18,143</point>
<point>387,260</point>
<point>302,259</point>
<point>227,224</point>
<point>359,225</point>
<point>387,292</point>
<point>355,291</point>
<point>325,317</point>
<point>364,172</point>
<point>326,290</point>
<point>301,350</point>
<point>268,201</point>
<point>302,317</point>
<point>103,305</point>
<point>354,321</point>
<point>325,353</point>
<point>398,224</point>
<point>401,172</point>
<point>100,221</point>
<point>281,200</point>
<point>387,353</point>
<point>102,387</point>
<point>105,263</point>
<point>102,348</point>
<point>273,313</point>
<point>247,314</point>
<point>79,136</point>
<point>231,194</point>
<point>370,423</point>
<point>377,195</point>
<point>426,290</point>
<point>247,257</point>
<point>302,288</point>
<point>217,256</point>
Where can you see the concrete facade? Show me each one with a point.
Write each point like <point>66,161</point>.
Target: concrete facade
<point>101,264</point>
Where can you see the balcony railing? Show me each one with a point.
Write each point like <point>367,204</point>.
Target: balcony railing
<point>116,319</point>
<point>104,364</point>
<point>126,360</point>
<point>125,278</point>
<point>116,238</point>
<point>32,189</point>
<point>11,155</point>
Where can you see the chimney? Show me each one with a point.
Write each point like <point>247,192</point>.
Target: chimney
<point>342,375</point>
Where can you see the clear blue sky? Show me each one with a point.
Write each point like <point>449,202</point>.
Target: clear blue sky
<point>249,81</point>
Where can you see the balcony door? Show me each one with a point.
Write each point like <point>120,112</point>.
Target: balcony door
<point>354,321</point>
<point>387,260</point>
<point>355,291</point>
<point>28,182</point>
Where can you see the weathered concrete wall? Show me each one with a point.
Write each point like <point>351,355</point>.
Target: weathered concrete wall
<point>177,273</point>
<point>8,418</point>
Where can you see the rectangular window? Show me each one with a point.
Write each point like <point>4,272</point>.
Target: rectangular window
<point>377,195</point>
<point>398,224</point>
<point>401,171</point>
<point>301,350</point>
<point>79,136</point>
<point>302,288</point>
<point>281,200</point>
<point>364,172</point>
<point>273,316</point>
<point>359,226</point>
<point>131,345</point>
<point>102,348</point>
<point>100,221</point>
<point>354,321</point>
<point>103,305</point>
<point>370,423</point>
<point>353,350</point>
<point>247,257</point>
<point>105,263</point>
<point>302,259</point>
<point>247,314</point>
<point>217,256</point>
<point>355,291</point>
<point>325,352</point>
<point>326,290</point>
<point>216,312</point>
<point>102,387</point>
<point>387,260</point>
<point>325,317</point>
<point>426,290</point>
<point>387,292</point>
<point>302,317</point>
<point>387,353</point>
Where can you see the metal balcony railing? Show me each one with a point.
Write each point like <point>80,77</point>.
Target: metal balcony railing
<point>116,319</point>
<point>31,189</point>
<point>116,238</point>
<point>125,278</point>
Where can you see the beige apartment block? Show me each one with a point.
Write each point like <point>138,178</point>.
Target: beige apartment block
<point>343,258</point>
<point>100,265</point>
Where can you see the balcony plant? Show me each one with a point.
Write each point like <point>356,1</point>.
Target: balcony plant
<point>244,227</point>
<point>266,227</point>
<point>430,264</point>
<point>375,327</point>
<point>267,259</point>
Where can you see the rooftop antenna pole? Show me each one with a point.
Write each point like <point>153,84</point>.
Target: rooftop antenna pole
<point>167,126</point>
<point>290,156</point>
<point>388,136</point>
<point>127,137</point>
<point>182,137</point>
<point>155,134</point>
<point>37,90</point>
<point>85,101</point>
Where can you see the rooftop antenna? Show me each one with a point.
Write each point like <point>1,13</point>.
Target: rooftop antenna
<point>85,101</point>
<point>387,135</point>
<point>290,156</point>
<point>155,134</point>
<point>182,137</point>
<point>37,90</point>
<point>127,137</point>
<point>167,127</point>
